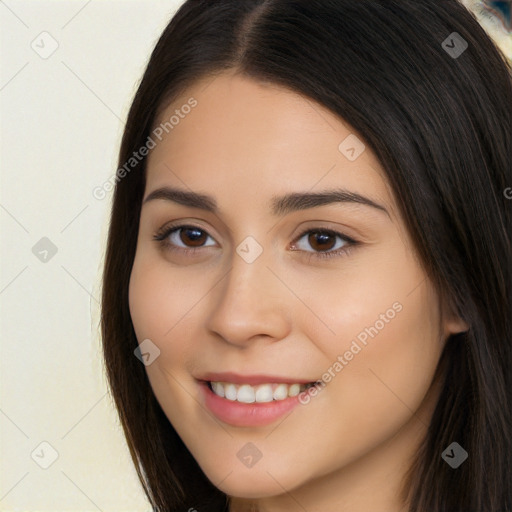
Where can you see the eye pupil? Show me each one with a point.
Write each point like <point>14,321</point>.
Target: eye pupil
<point>195,236</point>
<point>322,237</point>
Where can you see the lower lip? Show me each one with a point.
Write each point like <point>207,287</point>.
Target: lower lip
<point>239,414</point>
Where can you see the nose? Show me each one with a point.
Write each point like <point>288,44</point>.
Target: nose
<point>249,303</point>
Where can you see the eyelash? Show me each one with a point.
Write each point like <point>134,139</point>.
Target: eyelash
<point>162,238</point>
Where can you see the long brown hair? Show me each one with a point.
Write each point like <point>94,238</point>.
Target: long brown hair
<point>440,124</point>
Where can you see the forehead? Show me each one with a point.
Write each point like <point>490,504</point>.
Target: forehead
<point>259,139</point>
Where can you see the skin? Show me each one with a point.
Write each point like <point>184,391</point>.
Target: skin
<point>288,313</point>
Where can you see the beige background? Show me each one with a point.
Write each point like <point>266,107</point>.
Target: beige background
<point>62,118</point>
<point>68,73</point>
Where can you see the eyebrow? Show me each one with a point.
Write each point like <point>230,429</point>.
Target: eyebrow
<point>280,206</point>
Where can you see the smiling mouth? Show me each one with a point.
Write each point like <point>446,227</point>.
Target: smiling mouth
<point>245,393</point>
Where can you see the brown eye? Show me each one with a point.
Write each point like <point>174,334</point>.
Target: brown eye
<point>324,243</point>
<point>192,236</point>
<point>321,240</point>
<point>183,237</point>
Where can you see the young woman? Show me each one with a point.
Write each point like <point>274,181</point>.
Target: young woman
<point>307,286</point>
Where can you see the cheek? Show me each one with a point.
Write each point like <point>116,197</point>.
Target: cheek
<point>363,300</point>
<point>388,359</point>
<point>161,308</point>
<point>165,304</point>
<point>147,309</point>
<point>160,299</point>
<point>380,333</point>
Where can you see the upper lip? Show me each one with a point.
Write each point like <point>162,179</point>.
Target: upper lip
<point>253,379</point>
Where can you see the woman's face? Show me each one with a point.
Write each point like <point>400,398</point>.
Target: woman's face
<point>268,288</point>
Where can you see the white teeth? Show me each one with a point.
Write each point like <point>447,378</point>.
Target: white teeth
<point>281,392</point>
<point>229,391</point>
<point>218,389</point>
<point>248,394</point>
<point>294,390</point>
<point>264,393</point>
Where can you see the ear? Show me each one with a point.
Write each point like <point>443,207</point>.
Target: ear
<point>455,326</point>
<point>451,322</point>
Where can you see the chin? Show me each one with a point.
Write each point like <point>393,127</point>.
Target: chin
<point>250,487</point>
<point>253,483</point>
